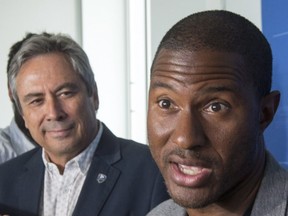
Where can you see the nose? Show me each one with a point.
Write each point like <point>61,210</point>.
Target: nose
<point>188,132</point>
<point>54,110</point>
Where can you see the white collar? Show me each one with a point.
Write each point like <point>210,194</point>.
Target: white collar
<point>84,158</point>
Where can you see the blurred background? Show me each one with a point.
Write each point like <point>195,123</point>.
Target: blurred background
<point>121,37</point>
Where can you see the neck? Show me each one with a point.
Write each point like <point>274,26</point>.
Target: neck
<point>60,160</point>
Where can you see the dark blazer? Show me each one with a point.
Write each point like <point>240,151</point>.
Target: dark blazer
<point>132,188</point>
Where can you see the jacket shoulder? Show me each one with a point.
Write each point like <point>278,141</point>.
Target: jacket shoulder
<point>136,152</point>
<point>272,195</point>
<point>18,162</point>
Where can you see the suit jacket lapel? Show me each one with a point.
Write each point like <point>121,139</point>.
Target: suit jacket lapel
<point>31,184</point>
<point>274,184</point>
<point>101,177</point>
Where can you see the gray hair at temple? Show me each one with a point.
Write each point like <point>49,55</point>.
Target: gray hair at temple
<point>224,31</point>
<point>45,43</point>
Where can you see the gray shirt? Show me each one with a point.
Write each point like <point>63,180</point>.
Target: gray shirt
<point>13,142</point>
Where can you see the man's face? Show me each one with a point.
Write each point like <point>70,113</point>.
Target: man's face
<point>55,105</point>
<point>203,124</point>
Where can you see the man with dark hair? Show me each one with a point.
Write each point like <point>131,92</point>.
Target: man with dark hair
<point>80,166</point>
<point>210,101</point>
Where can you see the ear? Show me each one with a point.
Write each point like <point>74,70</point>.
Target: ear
<point>95,99</point>
<point>10,93</point>
<point>24,122</point>
<point>96,102</point>
<point>269,105</point>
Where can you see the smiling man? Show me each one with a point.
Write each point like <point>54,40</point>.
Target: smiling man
<point>210,101</point>
<point>80,167</point>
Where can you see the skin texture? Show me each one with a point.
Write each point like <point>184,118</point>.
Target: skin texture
<point>205,130</point>
<point>56,107</point>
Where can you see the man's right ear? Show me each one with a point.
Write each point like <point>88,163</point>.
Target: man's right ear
<point>10,93</point>
<point>269,105</point>
<point>96,102</point>
<point>95,99</point>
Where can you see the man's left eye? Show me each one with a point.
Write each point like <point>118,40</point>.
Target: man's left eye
<point>66,94</point>
<point>216,107</point>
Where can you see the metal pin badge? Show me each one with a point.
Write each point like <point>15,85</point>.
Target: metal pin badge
<point>101,178</point>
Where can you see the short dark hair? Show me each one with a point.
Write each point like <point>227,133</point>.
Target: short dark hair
<point>220,30</point>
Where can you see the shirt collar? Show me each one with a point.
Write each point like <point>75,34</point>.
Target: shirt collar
<point>83,160</point>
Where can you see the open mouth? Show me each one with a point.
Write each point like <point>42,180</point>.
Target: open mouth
<point>189,170</point>
<point>189,175</point>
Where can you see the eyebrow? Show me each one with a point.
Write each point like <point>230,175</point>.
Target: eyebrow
<point>210,89</point>
<point>159,84</point>
<point>68,85</point>
<point>29,96</point>
<point>213,89</point>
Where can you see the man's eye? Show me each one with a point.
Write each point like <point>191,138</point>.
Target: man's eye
<point>216,107</point>
<point>66,94</point>
<point>165,104</point>
<point>36,102</point>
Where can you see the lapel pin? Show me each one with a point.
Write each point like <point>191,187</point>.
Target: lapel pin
<point>101,178</point>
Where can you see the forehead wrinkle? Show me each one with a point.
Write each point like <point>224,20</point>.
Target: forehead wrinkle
<point>177,62</point>
<point>163,84</point>
<point>187,78</point>
<point>217,72</point>
<point>169,82</point>
<point>28,96</point>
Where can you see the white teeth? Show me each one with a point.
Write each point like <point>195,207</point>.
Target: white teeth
<point>189,170</point>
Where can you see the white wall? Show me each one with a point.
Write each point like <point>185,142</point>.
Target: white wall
<point>20,16</point>
<point>162,14</point>
<point>114,38</point>
<point>104,40</point>
<point>120,38</point>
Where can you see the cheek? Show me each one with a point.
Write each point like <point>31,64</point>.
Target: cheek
<point>234,142</point>
<point>31,120</point>
<point>85,115</point>
<point>158,136</point>
<point>77,108</point>
<point>33,124</point>
<point>156,129</point>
